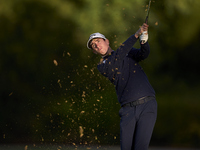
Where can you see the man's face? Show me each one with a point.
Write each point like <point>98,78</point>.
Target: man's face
<point>100,46</point>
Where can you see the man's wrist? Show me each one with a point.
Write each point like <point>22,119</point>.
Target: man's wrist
<point>136,36</point>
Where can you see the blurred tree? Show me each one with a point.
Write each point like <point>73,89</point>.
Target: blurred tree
<point>29,43</point>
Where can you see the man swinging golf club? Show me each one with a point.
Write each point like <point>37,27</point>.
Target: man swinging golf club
<point>135,94</point>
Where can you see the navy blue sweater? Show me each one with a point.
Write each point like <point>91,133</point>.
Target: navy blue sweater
<point>122,68</point>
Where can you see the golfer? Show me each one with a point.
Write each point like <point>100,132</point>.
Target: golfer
<point>135,94</point>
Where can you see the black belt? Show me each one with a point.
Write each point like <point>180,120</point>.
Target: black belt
<point>139,101</point>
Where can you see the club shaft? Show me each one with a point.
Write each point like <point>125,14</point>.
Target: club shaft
<point>147,16</point>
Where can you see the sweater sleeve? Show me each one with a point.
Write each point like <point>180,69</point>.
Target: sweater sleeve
<point>140,54</point>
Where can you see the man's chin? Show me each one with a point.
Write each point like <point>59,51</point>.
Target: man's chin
<point>104,54</point>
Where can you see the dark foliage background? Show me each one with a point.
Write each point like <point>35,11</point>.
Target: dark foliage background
<point>51,91</point>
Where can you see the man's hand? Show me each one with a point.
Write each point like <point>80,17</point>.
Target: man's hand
<point>143,28</point>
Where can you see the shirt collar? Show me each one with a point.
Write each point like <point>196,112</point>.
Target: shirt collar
<point>107,55</point>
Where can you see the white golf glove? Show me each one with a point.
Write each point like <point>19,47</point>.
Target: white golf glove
<point>144,37</point>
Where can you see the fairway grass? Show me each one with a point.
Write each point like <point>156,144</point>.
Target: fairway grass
<point>66,147</point>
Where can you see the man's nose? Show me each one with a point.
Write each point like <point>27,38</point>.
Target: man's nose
<point>97,44</point>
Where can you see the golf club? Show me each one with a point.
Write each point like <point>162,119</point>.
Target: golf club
<point>147,16</point>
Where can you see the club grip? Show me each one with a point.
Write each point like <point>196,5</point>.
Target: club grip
<point>146,20</point>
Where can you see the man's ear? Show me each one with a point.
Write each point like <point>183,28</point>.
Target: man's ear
<point>107,41</point>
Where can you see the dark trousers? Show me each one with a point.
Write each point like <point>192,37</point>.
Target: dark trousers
<point>136,125</point>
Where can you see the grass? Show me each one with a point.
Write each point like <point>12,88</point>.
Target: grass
<point>66,147</point>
